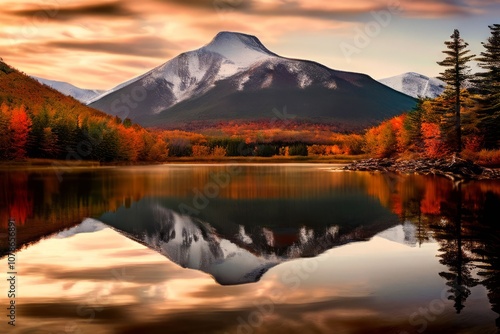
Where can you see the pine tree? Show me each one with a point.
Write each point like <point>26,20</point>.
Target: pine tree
<point>457,72</point>
<point>412,125</point>
<point>488,83</point>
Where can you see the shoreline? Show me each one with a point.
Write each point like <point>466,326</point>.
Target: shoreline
<point>62,164</point>
<point>456,169</point>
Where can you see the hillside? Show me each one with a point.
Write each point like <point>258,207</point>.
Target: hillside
<point>17,88</point>
<point>37,121</point>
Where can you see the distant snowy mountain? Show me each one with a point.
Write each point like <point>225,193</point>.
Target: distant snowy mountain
<point>236,77</point>
<point>88,225</point>
<point>82,95</point>
<point>415,85</point>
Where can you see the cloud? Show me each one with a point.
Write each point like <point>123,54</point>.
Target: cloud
<point>124,36</point>
<point>54,12</point>
<point>211,4</point>
<point>68,310</point>
<point>439,9</point>
<point>147,46</point>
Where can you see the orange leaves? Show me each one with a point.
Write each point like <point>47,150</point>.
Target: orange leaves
<point>386,139</point>
<point>200,150</point>
<point>219,151</point>
<point>433,143</point>
<point>130,143</point>
<point>20,125</point>
<point>381,140</point>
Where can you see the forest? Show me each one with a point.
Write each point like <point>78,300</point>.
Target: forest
<point>38,122</point>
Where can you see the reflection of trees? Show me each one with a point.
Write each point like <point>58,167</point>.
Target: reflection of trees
<point>42,204</point>
<point>413,213</point>
<point>464,222</point>
<point>451,233</point>
<point>489,250</point>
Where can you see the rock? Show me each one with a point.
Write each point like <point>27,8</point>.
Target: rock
<point>456,169</point>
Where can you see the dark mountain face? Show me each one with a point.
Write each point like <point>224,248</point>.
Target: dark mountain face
<point>236,78</point>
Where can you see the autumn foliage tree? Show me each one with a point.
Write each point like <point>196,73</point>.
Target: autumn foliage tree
<point>20,125</point>
<point>4,131</point>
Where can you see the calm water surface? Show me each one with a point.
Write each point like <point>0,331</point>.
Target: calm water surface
<point>249,249</point>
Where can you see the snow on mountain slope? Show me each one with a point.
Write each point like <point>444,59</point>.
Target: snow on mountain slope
<point>81,94</point>
<point>241,50</point>
<point>415,85</point>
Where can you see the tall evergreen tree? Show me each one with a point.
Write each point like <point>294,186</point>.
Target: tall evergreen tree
<point>488,83</point>
<point>455,75</point>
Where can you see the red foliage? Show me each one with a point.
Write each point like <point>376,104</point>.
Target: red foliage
<point>434,147</point>
<point>20,125</point>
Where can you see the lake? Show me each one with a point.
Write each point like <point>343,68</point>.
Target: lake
<point>289,248</point>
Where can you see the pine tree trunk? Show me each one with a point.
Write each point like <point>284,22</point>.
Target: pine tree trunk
<point>458,128</point>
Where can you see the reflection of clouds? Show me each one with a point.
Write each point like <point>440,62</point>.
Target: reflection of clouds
<point>108,291</point>
<point>147,273</point>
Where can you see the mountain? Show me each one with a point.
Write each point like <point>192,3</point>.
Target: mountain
<point>81,94</point>
<point>235,77</point>
<point>415,85</point>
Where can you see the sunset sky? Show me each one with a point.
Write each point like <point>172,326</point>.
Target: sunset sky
<point>98,44</point>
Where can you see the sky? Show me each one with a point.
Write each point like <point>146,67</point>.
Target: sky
<point>99,44</point>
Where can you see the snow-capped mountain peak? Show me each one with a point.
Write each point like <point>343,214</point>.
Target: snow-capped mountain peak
<point>241,49</point>
<point>415,85</point>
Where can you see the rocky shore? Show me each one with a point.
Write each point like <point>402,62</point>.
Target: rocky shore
<point>455,168</point>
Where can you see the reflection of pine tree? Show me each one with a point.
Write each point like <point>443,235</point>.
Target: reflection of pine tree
<point>451,234</point>
<point>422,232</point>
<point>411,196</point>
<point>489,233</point>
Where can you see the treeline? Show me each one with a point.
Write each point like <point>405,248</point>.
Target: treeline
<point>57,134</point>
<point>464,120</point>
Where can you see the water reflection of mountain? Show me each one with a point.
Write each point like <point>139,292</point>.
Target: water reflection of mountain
<point>235,253</point>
